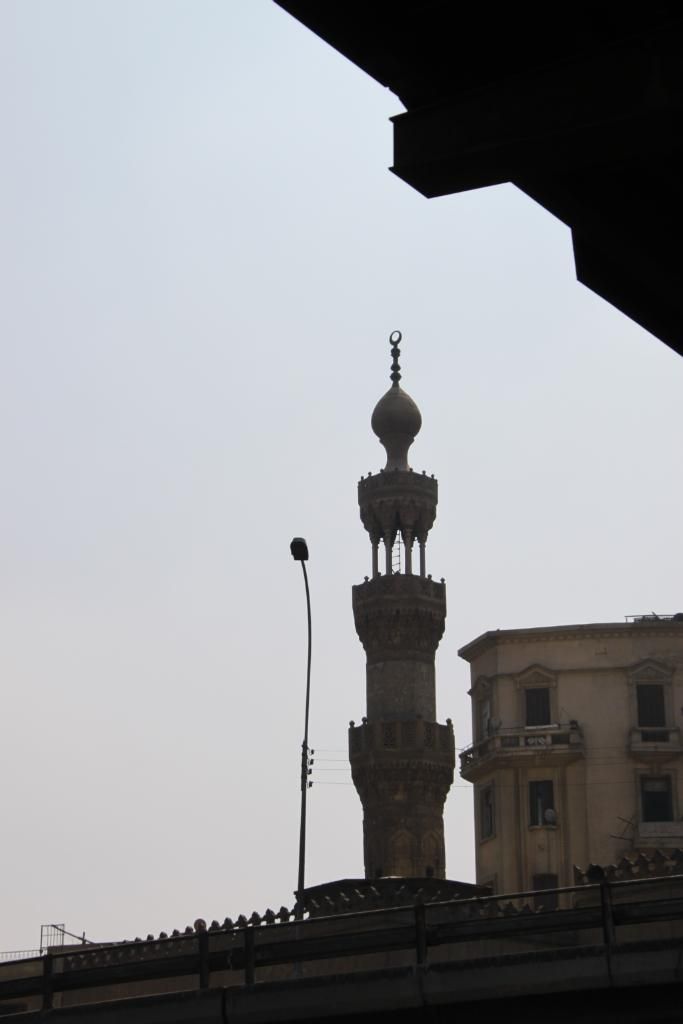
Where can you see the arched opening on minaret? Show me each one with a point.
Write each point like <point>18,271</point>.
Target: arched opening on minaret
<point>397,555</point>
<point>431,849</point>
<point>402,852</point>
<point>398,548</point>
<point>400,555</point>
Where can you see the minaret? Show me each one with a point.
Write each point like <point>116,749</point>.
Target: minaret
<point>401,759</point>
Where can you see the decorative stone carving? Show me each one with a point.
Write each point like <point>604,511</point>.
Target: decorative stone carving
<point>650,671</point>
<point>536,675</point>
<point>656,865</point>
<point>402,771</point>
<point>398,500</point>
<point>430,780</point>
<point>350,895</point>
<point>400,617</point>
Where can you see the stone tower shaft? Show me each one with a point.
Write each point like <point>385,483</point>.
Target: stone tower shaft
<point>402,760</point>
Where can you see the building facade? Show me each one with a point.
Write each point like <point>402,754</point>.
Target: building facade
<point>576,755</point>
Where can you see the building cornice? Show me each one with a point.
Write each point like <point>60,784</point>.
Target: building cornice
<point>541,634</point>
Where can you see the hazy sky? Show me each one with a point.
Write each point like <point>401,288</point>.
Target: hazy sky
<point>202,255</point>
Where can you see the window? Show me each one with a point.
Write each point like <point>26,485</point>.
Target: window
<point>655,798</point>
<point>651,705</point>
<point>484,714</point>
<point>541,803</point>
<point>487,813</point>
<point>537,705</point>
<point>545,900</point>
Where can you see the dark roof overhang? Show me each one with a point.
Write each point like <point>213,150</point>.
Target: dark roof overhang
<point>581,108</point>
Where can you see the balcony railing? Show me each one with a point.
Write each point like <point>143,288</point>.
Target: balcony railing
<point>524,741</point>
<point>411,735</point>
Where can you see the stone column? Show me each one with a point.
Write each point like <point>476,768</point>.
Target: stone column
<point>375,557</point>
<point>408,547</point>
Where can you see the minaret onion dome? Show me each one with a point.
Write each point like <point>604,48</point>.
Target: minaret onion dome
<point>396,418</point>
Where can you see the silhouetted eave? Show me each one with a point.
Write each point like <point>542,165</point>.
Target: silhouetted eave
<point>585,118</point>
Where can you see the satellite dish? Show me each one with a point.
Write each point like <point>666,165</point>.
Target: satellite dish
<point>549,816</point>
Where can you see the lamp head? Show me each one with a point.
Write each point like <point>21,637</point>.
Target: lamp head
<point>299,549</point>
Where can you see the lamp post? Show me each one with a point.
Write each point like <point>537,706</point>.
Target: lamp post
<point>299,550</point>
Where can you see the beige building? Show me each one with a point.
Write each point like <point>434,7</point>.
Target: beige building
<point>577,754</point>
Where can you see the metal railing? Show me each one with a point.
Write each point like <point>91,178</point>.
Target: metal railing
<point>654,617</point>
<point>51,936</point>
<point>19,954</point>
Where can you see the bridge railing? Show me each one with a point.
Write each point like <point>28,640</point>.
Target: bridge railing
<point>597,912</point>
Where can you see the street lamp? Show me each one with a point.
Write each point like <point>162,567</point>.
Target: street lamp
<point>299,549</point>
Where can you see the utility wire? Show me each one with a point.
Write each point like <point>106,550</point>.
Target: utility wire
<point>503,785</point>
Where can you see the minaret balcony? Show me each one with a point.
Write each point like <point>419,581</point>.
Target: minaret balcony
<point>402,770</point>
<point>400,588</point>
<point>412,736</point>
<point>397,484</point>
<point>398,500</point>
<point>556,744</point>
